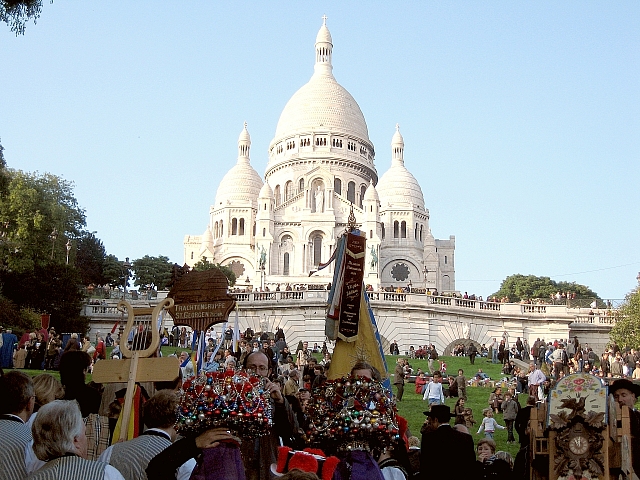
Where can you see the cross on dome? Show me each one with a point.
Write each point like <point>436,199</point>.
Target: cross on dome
<point>324,19</point>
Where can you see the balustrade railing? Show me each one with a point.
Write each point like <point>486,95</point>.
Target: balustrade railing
<point>596,319</point>
<point>526,308</point>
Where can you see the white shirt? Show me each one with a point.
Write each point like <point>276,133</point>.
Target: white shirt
<point>183,473</point>
<point>434,390</point>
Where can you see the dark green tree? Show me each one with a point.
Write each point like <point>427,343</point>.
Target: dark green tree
<point>114,271</point>
<point>90,259</point>
<point>16,13</point>
<point>626,331</point>
<point>204,264</point>
<point>523,287</point>
<point>152,273</point>
<point>52,289</point>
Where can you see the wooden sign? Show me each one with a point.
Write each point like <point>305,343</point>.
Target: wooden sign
<point>201,299</point>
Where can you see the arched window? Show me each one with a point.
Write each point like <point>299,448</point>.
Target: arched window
<point>363,190</point>
<point>264,232</point>
<point>254,229</point>
<point>317,250</point>
<point>445,259</point>
<point>191,255</point>
<point>265,206</point>
<point>337,186</point>
<point>370,233</point>
<point>403,229</point>
<point>301,185</point>
<point>421,232</point>
<point>396,229</point>
<point>215,230</point>
<point>415,233</point>
<point>351,192</point>
<point>288,190</point>
<point>234,226</point>
<point>221,228</point>
<point>382,225</point>
<point>276,194</point>
<point>241,232</point>
<point>285,262</point>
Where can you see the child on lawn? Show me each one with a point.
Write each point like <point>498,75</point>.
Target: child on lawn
<point>489,424</point>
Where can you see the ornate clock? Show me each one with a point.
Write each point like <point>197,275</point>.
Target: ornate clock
<point>577,408</point>
<point>579,445</point>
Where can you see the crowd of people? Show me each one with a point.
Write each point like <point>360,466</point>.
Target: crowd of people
<point>63,429</point>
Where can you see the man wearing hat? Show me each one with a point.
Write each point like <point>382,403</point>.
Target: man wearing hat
<point>443,446</point>
<point>626,393</point>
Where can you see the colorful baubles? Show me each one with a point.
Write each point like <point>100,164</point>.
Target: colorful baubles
<point>235,400</point>
<point>352,413</point>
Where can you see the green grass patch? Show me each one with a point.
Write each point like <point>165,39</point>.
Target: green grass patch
<point>412,405</point>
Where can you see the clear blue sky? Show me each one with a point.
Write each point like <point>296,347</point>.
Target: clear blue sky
<point>521,120</point>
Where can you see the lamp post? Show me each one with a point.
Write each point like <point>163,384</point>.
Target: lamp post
<point>68,245</point>
<point>125,274</point>
<point>262,277</point>
<point>53,236</point>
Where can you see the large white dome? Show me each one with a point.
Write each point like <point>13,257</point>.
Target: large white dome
<point>322,104</point>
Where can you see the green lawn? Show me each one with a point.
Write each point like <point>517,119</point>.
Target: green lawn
<point>412,405</point>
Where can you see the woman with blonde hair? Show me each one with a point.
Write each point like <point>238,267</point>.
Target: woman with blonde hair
<point>47,389</point>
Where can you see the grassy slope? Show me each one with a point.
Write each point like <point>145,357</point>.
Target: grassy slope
<point>412,405</point>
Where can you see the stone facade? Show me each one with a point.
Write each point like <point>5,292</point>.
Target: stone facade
<point>321,165</point>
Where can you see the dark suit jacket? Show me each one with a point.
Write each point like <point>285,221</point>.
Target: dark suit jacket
<point>443,448</point>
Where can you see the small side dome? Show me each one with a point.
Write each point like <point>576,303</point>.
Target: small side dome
<point>371,194</point>
<point>242,183</point>
<point>398,187</point>
<point>266,191</point>
<point>207,238</point>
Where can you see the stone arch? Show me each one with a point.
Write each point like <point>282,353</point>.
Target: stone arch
<point>464,341</point>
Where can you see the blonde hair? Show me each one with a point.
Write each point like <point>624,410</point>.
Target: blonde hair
<point>486,411</point>
<point>47,388</point>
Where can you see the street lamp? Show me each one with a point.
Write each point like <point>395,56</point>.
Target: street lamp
<point>68,245</point>
<point>262,277</point>
<point>125,274</point>
<point>53,236</point>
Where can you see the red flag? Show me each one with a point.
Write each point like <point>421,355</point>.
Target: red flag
<point>115,327</point>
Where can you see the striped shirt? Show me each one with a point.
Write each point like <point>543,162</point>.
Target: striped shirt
<point>132,458</point>
<point>15,437</point>
<point>72,467</point>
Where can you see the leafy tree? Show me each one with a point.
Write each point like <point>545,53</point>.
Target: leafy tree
<point>204,264</point>
<point>522,287</point>
<point>114,271</point>
<point>626,332</point>
<point>152,272</point>
<point>4,173</point>
<point>34,207</point>
<point>90,259</point>
<point>16,13</point>
<point>51,288</point>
